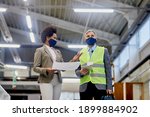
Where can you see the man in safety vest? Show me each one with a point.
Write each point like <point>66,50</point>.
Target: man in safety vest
<point>94,70</point>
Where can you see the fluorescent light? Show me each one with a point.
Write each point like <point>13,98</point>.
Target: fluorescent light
<point>77,46</point>
<point>94,10</point>
<point>24,0</point>
<point>3,9</point>
<point>18,78</point>
<point>9,46</point>
<point>15,66</point>
<point>32,37</point>
<point>29,23</point>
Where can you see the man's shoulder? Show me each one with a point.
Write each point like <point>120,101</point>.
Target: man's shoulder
<point>84,49</point>
<point>102,47</point>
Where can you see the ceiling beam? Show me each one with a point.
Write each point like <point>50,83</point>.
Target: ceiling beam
<point>8,38</point>
<point>25,33</point>
<point>61,23</point>
<point>110,4</point>
<point>144,3</point>
<point>4,29</point>
<point>114,43</point>
<point>114,3</point>
<point>118,7</point>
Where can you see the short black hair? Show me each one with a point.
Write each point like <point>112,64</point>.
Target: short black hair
<point>47,32</point>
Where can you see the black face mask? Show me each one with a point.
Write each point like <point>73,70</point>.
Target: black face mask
<point>91,41</point>
<point>52,42</point>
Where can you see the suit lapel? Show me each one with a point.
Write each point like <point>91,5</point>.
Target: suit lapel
<point>58,55</point>
<point>47,51</point>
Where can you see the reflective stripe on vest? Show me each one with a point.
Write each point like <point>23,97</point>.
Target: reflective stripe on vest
<point>95,65</point>
<point>97,71</point>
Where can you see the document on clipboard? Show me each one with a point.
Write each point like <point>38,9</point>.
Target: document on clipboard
<point>66,65</point>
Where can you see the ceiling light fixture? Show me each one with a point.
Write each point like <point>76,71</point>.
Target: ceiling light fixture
<point>3,9</point>
<point>32,37</point>
<point>77,46</point>
<point>9,46</point>
<point>93,10</point>
<point>29,23</point>
<point>15,66</point>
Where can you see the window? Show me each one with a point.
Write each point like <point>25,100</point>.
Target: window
<point>133,40</point>
<point>133,46</point>
<point>116,62</point>
<point>124,56</point>
<point>144,33</point>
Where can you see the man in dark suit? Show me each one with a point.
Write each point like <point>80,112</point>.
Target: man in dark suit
<point>95,81</point>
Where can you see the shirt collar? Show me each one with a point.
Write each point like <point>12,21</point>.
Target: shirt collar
<point>92,48</point>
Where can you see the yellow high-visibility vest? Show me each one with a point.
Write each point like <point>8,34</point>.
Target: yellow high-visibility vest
<point>97,71</point>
